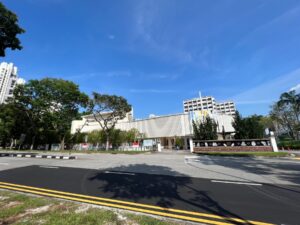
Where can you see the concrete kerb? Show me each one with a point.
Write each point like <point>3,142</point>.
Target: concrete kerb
<point>34,155</point>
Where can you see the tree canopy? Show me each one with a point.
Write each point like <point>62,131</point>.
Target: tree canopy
<point>286,114</point>
<point>107,110</point>
<point>9,29</point>
<point>48,106</point>
<point>205,129</point>
<point>249,127</point>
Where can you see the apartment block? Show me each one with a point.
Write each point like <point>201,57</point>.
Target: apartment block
<point>8,80</point>
<point>209,103</point>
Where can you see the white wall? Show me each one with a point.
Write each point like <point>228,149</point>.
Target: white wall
<point>162,126</point>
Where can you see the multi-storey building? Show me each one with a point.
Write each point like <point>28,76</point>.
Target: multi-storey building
<point>8,80</point>
<point>226,108</point>
<point>209,103</point>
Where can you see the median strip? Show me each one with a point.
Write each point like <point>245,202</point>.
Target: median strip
<point>235,182</point>
<point>144,208</point>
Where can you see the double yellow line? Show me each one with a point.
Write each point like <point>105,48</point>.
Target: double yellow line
<point>137,207</point>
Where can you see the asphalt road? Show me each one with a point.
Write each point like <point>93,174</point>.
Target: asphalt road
<point>278,204</point>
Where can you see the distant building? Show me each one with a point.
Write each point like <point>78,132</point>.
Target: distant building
<point>164,129</point>
<point>209,103</point>
<point>8,80</point>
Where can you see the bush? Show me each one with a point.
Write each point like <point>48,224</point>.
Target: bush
<point>289,144</point>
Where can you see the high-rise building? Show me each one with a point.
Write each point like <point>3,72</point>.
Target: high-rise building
<point>8,80</point>
<point>209,103</point>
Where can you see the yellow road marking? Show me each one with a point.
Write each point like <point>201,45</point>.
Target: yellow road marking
<point>118,206</point>
<point>134,204</point>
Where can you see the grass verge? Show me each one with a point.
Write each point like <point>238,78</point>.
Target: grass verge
<point>246,154</point>
<point>16,208</point>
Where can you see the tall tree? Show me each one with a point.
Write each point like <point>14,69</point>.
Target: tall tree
<point>50,104</point>
<point>286,114</point>
<point>9,29</point>
<point>248,128</point>
<point>205,129</point>
<point>107,110</point>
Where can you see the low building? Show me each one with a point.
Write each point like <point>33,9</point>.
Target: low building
<point>164,129</point>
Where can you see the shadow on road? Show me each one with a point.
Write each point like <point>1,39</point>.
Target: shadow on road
<point>173,190</point>
<point>286,171</point>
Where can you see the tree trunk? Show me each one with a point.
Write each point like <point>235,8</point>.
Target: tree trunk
<point>11,143</point>
<point>107,143</point>
<point>62,144</point>
<point>32,142</point>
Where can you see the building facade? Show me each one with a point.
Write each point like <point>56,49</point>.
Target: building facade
<point>163,129</point>
<point>209,103</point>
<point>8,80</point>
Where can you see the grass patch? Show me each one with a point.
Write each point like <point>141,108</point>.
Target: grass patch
<point>246,154</point>
<point>147,220</point>
<point>23,209</point>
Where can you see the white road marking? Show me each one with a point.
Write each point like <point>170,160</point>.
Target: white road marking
<point>4,164</point>
<point>124,173</point>
<point>235,182</point>
<point>50,167</point>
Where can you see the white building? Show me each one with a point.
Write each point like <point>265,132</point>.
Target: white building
<point>164,129</point>
<point>209,103</point>
<point>8,80</point>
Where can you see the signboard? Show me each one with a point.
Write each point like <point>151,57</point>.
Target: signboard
<point>148,143</point>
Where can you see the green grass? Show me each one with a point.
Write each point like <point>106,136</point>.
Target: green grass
<point>246,154</point>
<point>16,208</point>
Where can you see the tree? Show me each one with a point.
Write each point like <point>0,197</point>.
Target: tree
<point>50,105</point>
<point>239,126</point>
<point>206,129</point>
<point>248,128</point>
<point>13,124</point>
<point>286,114</point>
<point>107,110</point>
<point>9,29</point>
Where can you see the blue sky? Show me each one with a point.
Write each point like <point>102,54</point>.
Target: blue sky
<point>159,53</point>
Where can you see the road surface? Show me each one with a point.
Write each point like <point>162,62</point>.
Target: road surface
<point>209,201</point>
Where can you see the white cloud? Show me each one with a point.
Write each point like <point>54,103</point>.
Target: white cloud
<point>268,92</point>
<point>21,81</point>
<point>296,88</point>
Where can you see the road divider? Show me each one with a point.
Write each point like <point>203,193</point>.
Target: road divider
<point>235,182</point>
<point>132,206</point>
<point>34,155</point>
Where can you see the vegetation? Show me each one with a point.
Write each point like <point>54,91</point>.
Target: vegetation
<point>117,137</point>
<point>9,29</point>
<point>289,144</point>
<point>205,129</point>
<point>41,112</point>
<point>286,114</point>
<point>26,210</point>
<point>107,110</point>
<point>248,128</point>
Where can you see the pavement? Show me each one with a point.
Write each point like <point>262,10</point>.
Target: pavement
<point>224,190</point>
